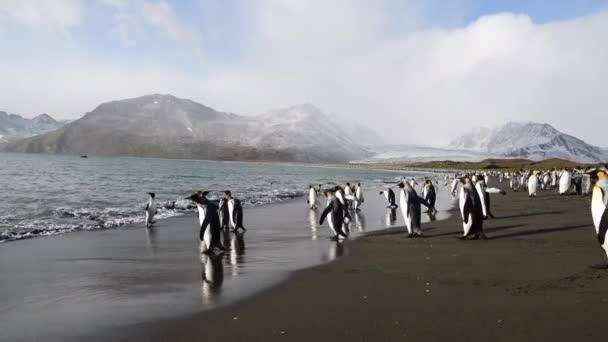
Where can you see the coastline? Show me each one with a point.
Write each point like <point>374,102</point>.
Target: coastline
<point>530,281</point>
<point>65,287</point>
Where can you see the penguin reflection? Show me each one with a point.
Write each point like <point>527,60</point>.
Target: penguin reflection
<point>237,251</point>
<point>390,217</point>
<point>212,276</point>
<point>336,250</point>
<point>151,240</point>
<point>313,216</point>
<point>359,221</point>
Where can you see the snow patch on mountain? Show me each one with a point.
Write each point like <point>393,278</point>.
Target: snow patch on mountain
<point>530,140</point>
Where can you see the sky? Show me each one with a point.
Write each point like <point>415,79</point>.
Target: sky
<point>418,72</point>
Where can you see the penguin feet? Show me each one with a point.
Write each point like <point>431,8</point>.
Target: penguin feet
<point>463,238</point>
<point>411,235</point>
<point>599,267</point>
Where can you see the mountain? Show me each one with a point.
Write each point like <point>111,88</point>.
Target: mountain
<point>169,127</point>
<point>530,140</point>
<point>417,153</point>
<point>14,126</point>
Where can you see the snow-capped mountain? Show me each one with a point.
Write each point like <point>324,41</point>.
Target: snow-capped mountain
<point>417,153</point>
<point>170,127</point>
<point>15,126</point>
<point>530,140</point>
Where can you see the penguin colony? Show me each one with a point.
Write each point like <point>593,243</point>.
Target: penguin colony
<point>469,188</point>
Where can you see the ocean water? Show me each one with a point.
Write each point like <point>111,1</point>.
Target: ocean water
<point>49,194</point>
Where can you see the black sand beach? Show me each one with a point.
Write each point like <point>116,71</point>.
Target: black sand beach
<point>100,283</point>
<point>529,282</point>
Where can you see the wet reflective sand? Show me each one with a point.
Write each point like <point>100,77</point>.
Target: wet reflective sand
<point>75,285</point>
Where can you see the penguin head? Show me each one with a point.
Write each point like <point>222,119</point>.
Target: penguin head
<point>227,194</point>
<point>198,196</point>
<point>152,195</point>
<point>348,184</point>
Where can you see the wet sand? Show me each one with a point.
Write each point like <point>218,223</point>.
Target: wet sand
<point>87,284</point>
<point>529,282</point>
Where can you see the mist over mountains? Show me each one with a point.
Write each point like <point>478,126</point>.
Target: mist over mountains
<point>13,126</point>
<point>166,126</point>
<point>528,140</point>
<point>169,127</point>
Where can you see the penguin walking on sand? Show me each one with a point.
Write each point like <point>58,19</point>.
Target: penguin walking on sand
<point>335,213</point>
<point>150,210</point>
<point>235,210</point>
<point>410,208</point>
<point>586,184</point>
<point>565,181</point>
<point>533,184</point>
<point>312,198</point>
<point>454,185</point>
<point>430,195</point>
<point>471,211</point>
<point>210,229</point>
<point>599,213</point>
<point>389,194</point>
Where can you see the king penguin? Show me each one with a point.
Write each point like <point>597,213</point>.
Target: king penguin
<point>389,194</point>
<point>312,198</point>
<point>235,210</point>
<point>533,184</point>
<point>410,208</point>
<point>209,221</point>
<point>335,212</point>
<point>599,213</point>
<point>471,211</point>
<point>359,199</point>
<point>150,210</point>
<point>565,180</point>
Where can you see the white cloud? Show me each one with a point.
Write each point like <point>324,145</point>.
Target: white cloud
<point>132,19</point>
<point>416,86</point>
<point>59,15</point>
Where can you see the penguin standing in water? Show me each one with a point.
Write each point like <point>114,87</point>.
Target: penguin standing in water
<point>389,194</point>
<point>224,214</point>
<point>471,211</point>
<point>150,210</point>
<point>410,208</point>
<point>211,232</point>
<point>312,198</point>
<point>236,211</point>
<point>359,199</point>
<point>335,212</point>
<point>599,213</point>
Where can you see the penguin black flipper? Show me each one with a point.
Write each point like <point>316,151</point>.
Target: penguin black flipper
<point>324,214</point>
<point>466,210</point>
<point>147,206</point>
<point>603,228</point>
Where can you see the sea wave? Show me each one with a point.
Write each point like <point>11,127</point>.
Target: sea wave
<point>66,219</point>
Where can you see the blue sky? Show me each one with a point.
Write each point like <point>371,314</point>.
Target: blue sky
<point>489,61</point>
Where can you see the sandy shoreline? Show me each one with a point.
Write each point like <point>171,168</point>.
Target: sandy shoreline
<point>530,281</point>
<point>100,283</point>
